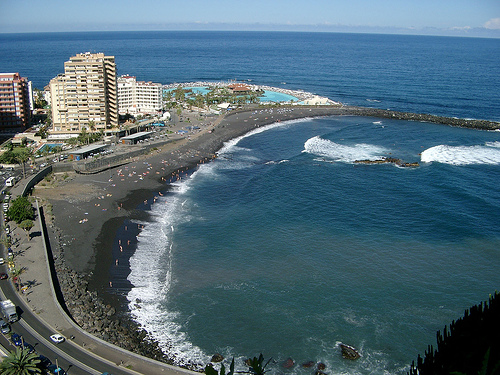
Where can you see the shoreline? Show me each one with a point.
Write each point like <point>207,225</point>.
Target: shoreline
<point>90,210</point>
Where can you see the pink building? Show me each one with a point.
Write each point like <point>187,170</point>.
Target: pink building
<point>15,103</point>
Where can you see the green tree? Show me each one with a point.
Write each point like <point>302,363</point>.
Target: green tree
<point>20,362</point>
<point>209,370</point>
<point>256,366</point>
<point>21,210</point>
<point>180,94</point>
<point>22,155</point>
<point>6,241</point>
<point>40,101</point>
<point>26,225</point>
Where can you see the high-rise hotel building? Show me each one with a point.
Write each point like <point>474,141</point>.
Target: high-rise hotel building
<point>15,101</point>
<point>139,97</point>
<point>85,96</point>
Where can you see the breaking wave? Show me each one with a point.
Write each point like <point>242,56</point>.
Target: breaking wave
<point>489,153</point>
<point>343,153</point>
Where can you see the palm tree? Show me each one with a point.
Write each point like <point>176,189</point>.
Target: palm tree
<point>22,157</point>
<point>20,362</point>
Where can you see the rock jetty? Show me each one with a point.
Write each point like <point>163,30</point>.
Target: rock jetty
<point>395,161</point>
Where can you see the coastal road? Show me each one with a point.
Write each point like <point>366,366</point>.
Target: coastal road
<point>69,356</point>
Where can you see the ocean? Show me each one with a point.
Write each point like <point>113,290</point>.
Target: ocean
<point>284,245</point>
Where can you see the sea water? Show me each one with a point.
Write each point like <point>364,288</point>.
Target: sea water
<point>284,245</point>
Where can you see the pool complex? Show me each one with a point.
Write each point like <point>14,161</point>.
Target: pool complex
<point>269,96</point>
<point>49,146</point>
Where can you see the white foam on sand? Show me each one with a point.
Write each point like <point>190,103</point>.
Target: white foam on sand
<point>342,153</point>
<point>229,145</point>
<point>151,276</point>
<point>489,153</point>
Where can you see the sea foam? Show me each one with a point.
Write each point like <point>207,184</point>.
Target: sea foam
<point>151,276</point>
<point>343,153</point>
<point>489,153</point>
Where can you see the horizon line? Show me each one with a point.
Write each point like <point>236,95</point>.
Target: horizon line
<point>481,32</point>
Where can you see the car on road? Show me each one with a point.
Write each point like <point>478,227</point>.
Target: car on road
<point>53,369</point>
<point>3,276</point>
<point>44,361</point>
<point>16,339</point>
<point>4,326</point>
<point>2,261</point>
<point>57,338</point>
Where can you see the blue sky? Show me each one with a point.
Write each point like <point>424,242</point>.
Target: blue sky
<point>399,16</point>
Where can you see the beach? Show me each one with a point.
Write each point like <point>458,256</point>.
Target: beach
<point>85,212</point>
<point>89,209</point>
<point>90,212</point>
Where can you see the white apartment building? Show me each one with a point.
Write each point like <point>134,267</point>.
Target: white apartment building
<point>138,97</point>
<point>85,96</point>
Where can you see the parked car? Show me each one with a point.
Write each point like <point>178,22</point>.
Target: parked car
<point>53,369</point>
<point>16,339</point>
<point>4,326</point>
<point>44,362</point>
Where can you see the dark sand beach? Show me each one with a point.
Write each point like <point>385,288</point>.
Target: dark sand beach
<point>90,210</point>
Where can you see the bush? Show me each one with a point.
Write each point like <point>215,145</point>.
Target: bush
<point>20,210</point>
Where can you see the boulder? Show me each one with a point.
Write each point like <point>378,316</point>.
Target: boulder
<point>217,358</point>
<point>348,352</point>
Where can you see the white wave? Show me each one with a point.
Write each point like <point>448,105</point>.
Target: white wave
<point>229,145</point>
<point>489,153</point>
<point>344,153</point>
<point>151,276</point>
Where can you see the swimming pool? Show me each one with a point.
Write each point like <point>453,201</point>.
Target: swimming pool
<point>49,147</point>
<point>196,90</point>
<point>269,96</point>
<point>273,96</point>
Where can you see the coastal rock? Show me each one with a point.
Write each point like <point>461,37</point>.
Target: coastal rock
<point>321,366</point>
<point>395,161</point>
<point>288,363</point>
<point>217,358</point>
<point>88,310</point>
<point>308,364</point>
<point>348,352</point>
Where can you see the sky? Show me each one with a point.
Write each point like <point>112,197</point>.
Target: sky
<point>438,17</point>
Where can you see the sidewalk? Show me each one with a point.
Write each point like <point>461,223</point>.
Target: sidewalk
<point>30,254</point>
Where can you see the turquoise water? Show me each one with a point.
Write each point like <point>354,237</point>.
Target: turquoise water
<point>49,146</point>
<point>269,96</point>
<point>273,96</point>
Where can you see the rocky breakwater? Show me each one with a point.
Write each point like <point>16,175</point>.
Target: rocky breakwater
<point>395,161</point>
<point>409,116</point>
<point>89,311</point>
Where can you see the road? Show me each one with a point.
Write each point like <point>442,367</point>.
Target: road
<point>69,356</point>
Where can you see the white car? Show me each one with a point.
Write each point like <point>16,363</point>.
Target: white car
<point>57,338</point>
<point>2,261</point>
